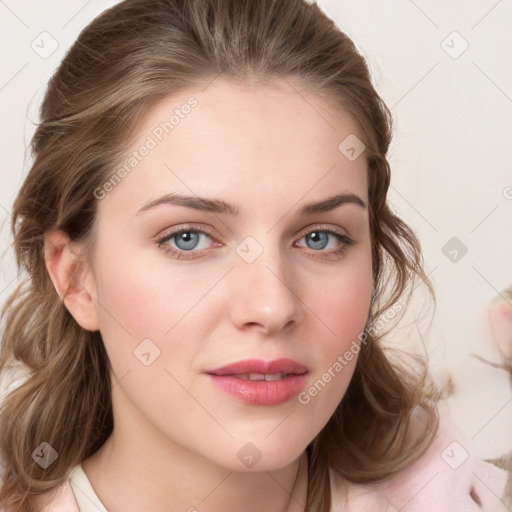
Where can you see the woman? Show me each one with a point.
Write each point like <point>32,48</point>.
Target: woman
<point>212,263</point>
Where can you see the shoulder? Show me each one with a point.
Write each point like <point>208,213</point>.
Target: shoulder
<point>450,473</point>
<point>59,499</point>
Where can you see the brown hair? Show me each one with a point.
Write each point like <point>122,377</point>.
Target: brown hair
<point>129,58</point>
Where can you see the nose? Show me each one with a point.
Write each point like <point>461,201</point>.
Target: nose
<point>264,294</point>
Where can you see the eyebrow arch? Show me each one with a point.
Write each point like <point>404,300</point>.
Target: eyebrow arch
<point>219,206</point>
<point>197,203</point>
<point>330,204</point>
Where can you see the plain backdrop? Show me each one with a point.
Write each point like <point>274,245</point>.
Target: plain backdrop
<point>443,67</point>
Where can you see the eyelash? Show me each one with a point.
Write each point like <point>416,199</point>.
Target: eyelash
<point>345,240</point>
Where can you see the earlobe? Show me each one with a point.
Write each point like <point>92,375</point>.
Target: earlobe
<point>72,278</point>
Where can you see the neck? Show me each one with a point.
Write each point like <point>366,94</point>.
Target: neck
<point>137,469</point>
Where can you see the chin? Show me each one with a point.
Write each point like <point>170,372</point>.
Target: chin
<point>261,454</point>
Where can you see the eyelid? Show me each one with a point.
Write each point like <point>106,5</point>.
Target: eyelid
<point>323,227</point>
<point>187,227</point>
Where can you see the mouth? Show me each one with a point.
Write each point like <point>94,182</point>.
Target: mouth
<point>269,377</point>
<point>258,382</point>
<point>257,369</point>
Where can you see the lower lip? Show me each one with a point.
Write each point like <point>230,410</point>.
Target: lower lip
<point>260,392</point>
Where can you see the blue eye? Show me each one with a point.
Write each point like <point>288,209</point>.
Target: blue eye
<point>317,239</point>
<point>186,240</point>
<point>320,239</point>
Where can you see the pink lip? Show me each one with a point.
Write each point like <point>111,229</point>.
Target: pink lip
<point>260,366</point>
<point>260,392</point>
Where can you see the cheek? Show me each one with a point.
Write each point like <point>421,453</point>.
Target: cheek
<point>142,299</point>
<point>342,303</point>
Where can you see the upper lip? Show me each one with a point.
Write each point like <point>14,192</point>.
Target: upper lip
<point>286,366</point>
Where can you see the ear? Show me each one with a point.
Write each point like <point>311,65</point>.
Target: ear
<point>72,277</point>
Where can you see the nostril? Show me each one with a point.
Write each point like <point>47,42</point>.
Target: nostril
<point>475,497</point>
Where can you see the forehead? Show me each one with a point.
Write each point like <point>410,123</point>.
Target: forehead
<point>249,144</point>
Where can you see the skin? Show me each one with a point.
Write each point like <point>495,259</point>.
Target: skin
<point>269,151</point>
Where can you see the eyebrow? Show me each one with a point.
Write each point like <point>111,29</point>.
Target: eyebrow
<point>218,206</point>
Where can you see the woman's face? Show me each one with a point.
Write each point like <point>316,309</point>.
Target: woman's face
<point>239,235</point>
